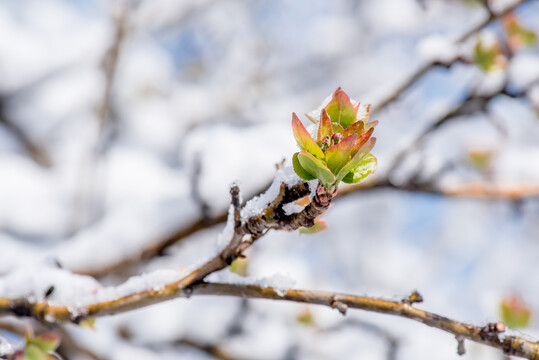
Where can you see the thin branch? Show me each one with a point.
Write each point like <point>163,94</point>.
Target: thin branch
<point>491,334</point>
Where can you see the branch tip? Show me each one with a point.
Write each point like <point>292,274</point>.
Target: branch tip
<point>461,350</point>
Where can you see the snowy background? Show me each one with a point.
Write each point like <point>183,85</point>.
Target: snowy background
<point>124,123</point>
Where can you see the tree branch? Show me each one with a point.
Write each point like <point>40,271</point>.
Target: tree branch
<point>490,334</point>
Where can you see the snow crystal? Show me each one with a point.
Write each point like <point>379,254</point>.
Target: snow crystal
<point>292,208</point>
<point>255,206</point>
<point>228,232</point>
<point>278,282</point>
<point>437,48</point>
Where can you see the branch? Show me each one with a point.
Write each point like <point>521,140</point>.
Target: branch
<point>422,70</point>
<point>243,233</point>
<point>490,334</point>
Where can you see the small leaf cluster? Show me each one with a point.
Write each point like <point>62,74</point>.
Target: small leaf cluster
<point>341,151</point>
<point>514,312</point>
<point>40,347</point>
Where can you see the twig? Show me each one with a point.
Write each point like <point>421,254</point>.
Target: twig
<point>422,70</point>
<point>35,151</point>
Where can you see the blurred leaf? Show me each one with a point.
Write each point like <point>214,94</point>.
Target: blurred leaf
<point>316,168</point>
<point>514,312</point>
<point>325,128</point>
<point>480,159</point>
<point>340,109</point>
<point>239,266</point>
<point>488,57</point>
<point>319,225</point>
<point>518,36</point>
<point>356,160</point>
<point>46,342</point>
<point>33,352</point>
<point>338,155</point>
<point>304,139</point>
<point>305,317</point>
<point>302,173</point>
<point>365,168</point>
<point>88,323</point>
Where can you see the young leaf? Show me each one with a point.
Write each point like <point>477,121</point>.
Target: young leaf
<point>370,125</point>
<point>304,139</point>
<point>366,167</point>
<point>340,109</point>
<point>355,128</point>
<point>302,173</point>
<point>356,160</point>
<point>361,141</point>
<point>325,128</point>
<point>338,155</point>
<point>316,168</point>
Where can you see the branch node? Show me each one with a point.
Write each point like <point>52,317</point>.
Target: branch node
<point>188,291</point>
<point>413,298</point>
<point>339,305</point>
<point>491,331</point>
<point>461,350</point>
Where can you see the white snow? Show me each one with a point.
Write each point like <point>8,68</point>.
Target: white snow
<point>279,282</point>
<point>255,206</point>
<point>437,48</point>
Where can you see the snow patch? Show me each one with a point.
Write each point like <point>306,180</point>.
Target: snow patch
<point>437,48</point>
<point>257,204</point>
<point>278,282</point>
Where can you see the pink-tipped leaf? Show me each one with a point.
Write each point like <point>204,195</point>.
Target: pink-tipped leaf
<point>340,109</point>
<point>325,128</point>
<point>355,128</point>
<point>356,159</point>
<point>304,139</point>
<point>338,155</point>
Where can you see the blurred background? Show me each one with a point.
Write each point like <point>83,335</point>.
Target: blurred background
<point>123,124</point>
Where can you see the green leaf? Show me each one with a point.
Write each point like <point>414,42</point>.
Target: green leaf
<point>46,342</point>
<point>304,139</point>
<point>33,352</point>
<point>356,160</point>
<point>340,109</point>
<point>302,173</point>
<point>338,155</point>
<point>316,168</point>
<point>366,167</point>
<point>325,128</point>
